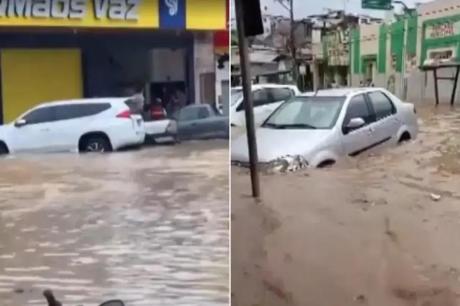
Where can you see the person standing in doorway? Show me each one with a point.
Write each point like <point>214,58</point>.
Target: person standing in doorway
<point>136,94</point>
<point>182,98</point>
<point>139,97</point>
<point>157,112</point>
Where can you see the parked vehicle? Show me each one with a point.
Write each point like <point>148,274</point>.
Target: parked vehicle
<point>161,131</point>
<point>85,125</point>
<point>266,98</point>
<point>201,121</point>
<point>316,129</point>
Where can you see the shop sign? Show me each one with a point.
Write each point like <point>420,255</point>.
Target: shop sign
<point>177,14</point>
<point>79,13</point>
<point>74,9</point>
<point>172,14</point>
<point>443,30</point>
<point>376,4</point>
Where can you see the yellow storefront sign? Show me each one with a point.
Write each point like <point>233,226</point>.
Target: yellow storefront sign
<point>80,13</point>
<point>206,14</point>
<point>143,14</point>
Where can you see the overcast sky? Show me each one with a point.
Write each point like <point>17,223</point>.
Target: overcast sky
<point>304,8</point>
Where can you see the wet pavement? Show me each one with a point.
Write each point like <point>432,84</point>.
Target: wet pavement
<point>375,230</point>
<point>149,227</point>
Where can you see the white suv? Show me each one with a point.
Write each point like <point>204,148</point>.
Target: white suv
<point>266,98</point>
<point>86,125</point>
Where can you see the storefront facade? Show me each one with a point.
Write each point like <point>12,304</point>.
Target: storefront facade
<point>66,49</point>
<point>439,37</point>
<point>384,54</point>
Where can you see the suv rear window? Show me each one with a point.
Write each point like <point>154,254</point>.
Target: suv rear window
<point>73,111</point>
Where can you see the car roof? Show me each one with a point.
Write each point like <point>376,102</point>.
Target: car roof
<point>259,86</point>
<point>339,92</point>
<point>85,101</point>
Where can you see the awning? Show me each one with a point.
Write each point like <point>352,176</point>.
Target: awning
<point>443,64</point>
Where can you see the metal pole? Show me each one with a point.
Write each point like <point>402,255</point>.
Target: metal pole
<point>452,99</point>
<point>293,48</point>
<point>436,90</point>
<point>247,93</point>
<point>404,59</point>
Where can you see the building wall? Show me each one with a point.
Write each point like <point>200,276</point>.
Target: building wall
<point>222,93</point>
<point>399,48</point>
<point>167,65</point>
<point>317,46</point>
<point>30,77</point>
<point>356,54</point>
<point>364,50</point>
<point>369,34</point>
<point>434,10</point>
<point>109,60</point>
<point>438,11</point>
<point>204,63</point>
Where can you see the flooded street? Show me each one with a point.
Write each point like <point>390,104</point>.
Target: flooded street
<point>377,230</point>
<point>149,227</point>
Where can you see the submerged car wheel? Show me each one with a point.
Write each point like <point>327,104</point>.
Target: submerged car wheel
<point>97,144</point>
<point>405,137</point>
<point>326,164</point>
<point>3,149</point>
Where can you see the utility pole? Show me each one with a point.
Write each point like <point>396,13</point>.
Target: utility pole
<point>290,8</point>
<point>293,47</point>
<point>247,92</point>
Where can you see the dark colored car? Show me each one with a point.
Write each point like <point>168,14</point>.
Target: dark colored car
<point>201,121</point>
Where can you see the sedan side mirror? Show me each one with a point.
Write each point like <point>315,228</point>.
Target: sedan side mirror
<point>20,122</point>
<point>354,124</point>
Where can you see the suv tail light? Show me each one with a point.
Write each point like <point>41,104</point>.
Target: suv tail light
<point>125,114</point>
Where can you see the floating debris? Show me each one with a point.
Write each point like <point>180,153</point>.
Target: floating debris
<point>435,197</point>
<point>287,164</point>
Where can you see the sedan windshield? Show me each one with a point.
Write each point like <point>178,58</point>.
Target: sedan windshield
<point>236,96</point>
<point>306,113</point>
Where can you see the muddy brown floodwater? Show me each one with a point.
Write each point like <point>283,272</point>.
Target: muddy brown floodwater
<point>149,227</point>
<point>370,231</point>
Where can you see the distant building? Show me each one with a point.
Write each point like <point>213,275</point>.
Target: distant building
<point>331,47</point>
<point>392,52</point>
<point>270,53</point>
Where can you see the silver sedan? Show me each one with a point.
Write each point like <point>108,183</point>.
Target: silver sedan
<point>316,129</point>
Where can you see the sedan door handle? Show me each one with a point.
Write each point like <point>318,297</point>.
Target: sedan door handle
<point>45,130</point>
